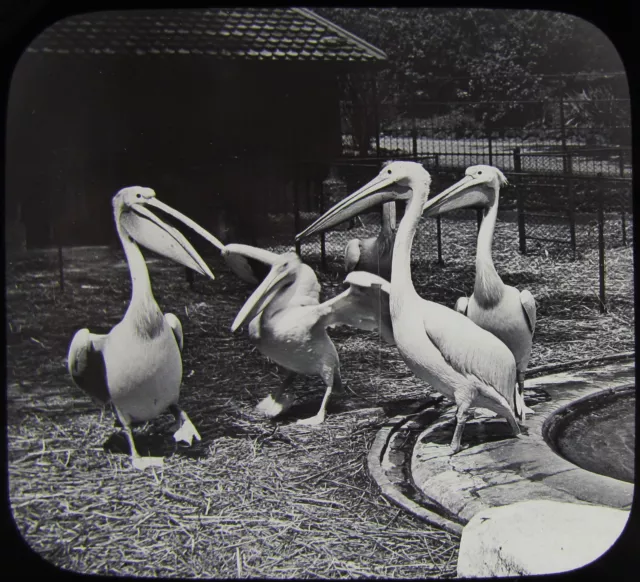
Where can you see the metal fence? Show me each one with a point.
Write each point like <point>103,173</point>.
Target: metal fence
<point>552,214</point>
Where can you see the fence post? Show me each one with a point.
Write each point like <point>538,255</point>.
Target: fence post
<point>296,205</point>
<point>376,114</point>
<point>490,148</point>
<point>56,238</point>
<point>624,214</point>
<point>563,135</point>
<point>517,166</point>
<point>601,258</point>
<point>323,250</point>
<point>572,216</point>
<point>439,237</point>
<point>414,135</point>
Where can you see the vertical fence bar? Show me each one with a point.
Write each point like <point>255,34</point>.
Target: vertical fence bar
<point>517,166</point>
<point>623,212</point>
<point>376,114</point>
<point>563,135</point>
<point>323,249</point>
<point>296,205</point>
<point>56,237</point>
<point>572,216</point>
<point>490,148</point>
<point>601,258</point>
<point>439,237</point>
<point>414,135</point>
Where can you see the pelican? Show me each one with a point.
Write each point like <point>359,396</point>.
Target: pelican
<point>459,359</point>
<point>137,366</point>
<point>374,254</point>
<point>288,323</point>
<point>501,309</point>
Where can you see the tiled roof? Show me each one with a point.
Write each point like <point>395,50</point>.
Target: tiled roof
<point>259,34</point>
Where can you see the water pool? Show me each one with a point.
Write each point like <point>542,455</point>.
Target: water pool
<point>598,433</point>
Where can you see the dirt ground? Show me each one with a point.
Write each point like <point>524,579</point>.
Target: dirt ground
<point>254,498</point>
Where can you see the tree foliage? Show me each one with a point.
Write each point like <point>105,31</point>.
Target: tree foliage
<point>451,54</point>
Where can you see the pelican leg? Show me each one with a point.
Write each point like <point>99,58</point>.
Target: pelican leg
<point>184,429</point>
<point>332,379</point>
<point>277,403</point>
<point>138,462</point>
<point>462,414</point>
<point>527,410</point>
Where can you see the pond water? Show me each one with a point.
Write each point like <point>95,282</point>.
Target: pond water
<point>599,435</point>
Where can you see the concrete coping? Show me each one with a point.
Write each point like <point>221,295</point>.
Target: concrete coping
<point>494,468</point>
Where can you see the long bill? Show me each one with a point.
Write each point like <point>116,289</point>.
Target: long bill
<point>259,299</point>
<point>463,194</point>
<point>187,221</point>
<point>369,195</point>
<point>156,235</point>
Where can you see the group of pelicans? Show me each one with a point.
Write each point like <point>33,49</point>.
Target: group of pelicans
<point>475,355</point>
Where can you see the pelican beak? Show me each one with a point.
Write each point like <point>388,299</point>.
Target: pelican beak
<point>154,234</point>
<point>468,192</point>
<point>260,298</point>
<point>187,221</point>
<point>381,189</point>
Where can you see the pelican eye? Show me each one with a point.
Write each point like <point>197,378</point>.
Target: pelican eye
<point>479,172</point>
<point>388,171</point>
<point>138,195</point>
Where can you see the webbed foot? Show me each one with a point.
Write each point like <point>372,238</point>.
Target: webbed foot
<point>270,407</point>
<point>142,463</point>
<point>187,432</point>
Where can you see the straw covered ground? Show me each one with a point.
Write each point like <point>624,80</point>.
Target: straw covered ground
<point>254,498</point>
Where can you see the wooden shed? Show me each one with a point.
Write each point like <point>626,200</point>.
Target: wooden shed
<point>213,108</point>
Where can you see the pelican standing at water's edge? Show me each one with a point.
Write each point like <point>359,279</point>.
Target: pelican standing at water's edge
<point>507,313</point>
<point>137,366</point>
<point>459,359</point>
<point>288,323</point>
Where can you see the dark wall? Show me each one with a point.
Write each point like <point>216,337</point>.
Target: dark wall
<point>204,134</point>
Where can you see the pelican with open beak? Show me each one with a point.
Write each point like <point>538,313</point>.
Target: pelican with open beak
<point>459,359</point>
<point>373,254</point>
<point>288,323</point>
<point>137,366</point>
<point>507,313</point>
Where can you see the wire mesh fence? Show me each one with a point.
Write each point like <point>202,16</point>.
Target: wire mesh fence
<point>554,215</point>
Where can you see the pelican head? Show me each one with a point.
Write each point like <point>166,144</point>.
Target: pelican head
<point>138,224</point>
<point>478,188</point>
<point>396,181</point>
<point>282,274</point>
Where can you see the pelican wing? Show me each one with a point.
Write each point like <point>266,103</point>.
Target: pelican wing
<point>529,306</point>
<point>471,350</point>
<point>364,305</point>
<point>462,305</point>
<point>239,258</point>
<point>351,255</point>
<point>86,365</point>
<point>176,328</point>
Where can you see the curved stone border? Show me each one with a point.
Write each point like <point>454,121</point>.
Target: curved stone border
<point>390,479</point>
<point>443,504</point>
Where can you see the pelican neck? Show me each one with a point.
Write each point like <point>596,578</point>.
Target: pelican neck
<point>488,287</point>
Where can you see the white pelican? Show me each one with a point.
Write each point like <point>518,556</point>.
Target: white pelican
<point>288,323</point>
<point>374,254</point>
<point>501,309</point>
<point>461,360</point>
<point>137,366</point>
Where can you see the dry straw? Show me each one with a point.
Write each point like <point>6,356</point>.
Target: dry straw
<point>254,498</point>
